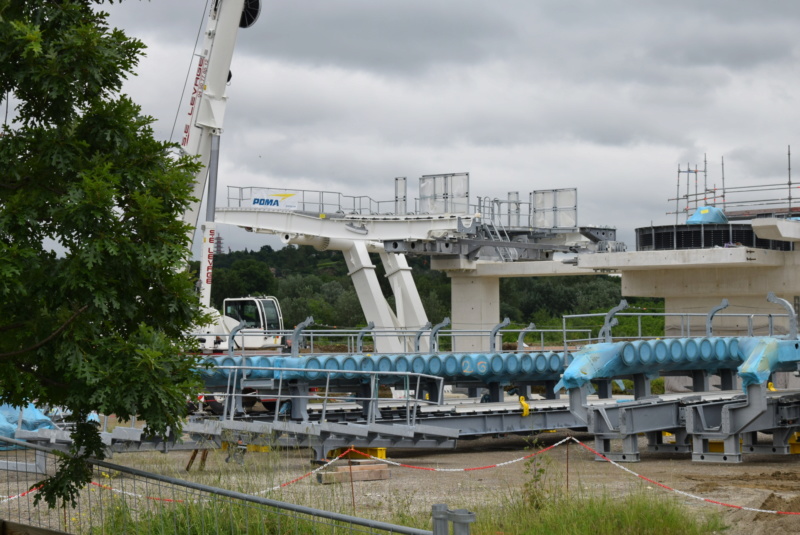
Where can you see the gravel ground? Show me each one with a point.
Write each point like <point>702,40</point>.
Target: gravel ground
<point>761,482</point>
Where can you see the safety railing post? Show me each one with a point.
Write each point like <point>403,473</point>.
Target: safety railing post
<point>297,332</point>
<point>441,526</point>
<point>444,517</point>
<point>521,338</point>
<point>360,339</point>
<point>493,334</point>
<point>772,298</point>
<point>713,312</point>
<point>419,334</point>
<point>610,321</point>
<point>461,519</point>
<point>434,337</point>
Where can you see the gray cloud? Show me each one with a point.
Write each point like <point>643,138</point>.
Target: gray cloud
<point>609,96</point>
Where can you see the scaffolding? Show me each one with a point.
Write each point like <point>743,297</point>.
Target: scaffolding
<point>738,202</point>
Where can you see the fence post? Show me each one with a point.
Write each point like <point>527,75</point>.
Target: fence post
<point>440,524</point>
<point>461,519</point>
<point>521,338</point>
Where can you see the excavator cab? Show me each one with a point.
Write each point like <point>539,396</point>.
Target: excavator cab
<point>263,321</point>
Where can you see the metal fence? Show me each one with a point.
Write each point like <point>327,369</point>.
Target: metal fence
<point>677,325</point>
<point>126,500</point>
<point>422,340</point>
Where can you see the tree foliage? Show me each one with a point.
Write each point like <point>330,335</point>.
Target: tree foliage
<point>244,277</point>
<point>96,302</point>
<point>311,282</point>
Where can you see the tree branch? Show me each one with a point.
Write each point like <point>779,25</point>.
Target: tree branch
<point>41,378</point>
<point>53,335</point>
<point>12,326</point>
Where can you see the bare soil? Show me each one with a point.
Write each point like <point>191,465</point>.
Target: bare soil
<point>761,482</point>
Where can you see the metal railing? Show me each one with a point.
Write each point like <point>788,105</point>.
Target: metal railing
<point>688,324</point>
<point>312,341</point>
<point>121,499</point>
<point>312,201</point>
<point>410,384</point>
<point>509,213</point>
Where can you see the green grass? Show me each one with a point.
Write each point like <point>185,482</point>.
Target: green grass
<point>542,504</point>
<point>639,513</point>
<point>220,517</point>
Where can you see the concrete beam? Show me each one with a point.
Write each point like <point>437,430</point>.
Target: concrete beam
<point>484,268</point>
<point>771,228</point>
<point>722,258</point>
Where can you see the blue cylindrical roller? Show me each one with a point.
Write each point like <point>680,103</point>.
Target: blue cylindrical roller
<point>315,363</point>
<point>401,363</point>
<point>331,363</point>
<point>720,346</point>
<point>645,354</point>
<point>254,361</point>
<point>691,349</point>
<point>660,350</point>
<point>512,363</point>
<point>555,362</point>
<point>209,369</point>
<point>540,363</point>
<point>290,362</point>
<point>733,350</point>
<point>435,365</point>
<point>630,352</point>
<point>451,365</point>
<point>706,350</point>
<point>256,366</point>
<point>229,361</point>
<point>674,350</point>
<point>366,363</point>
<point>419,363</point>
<point>349,365</point>
<point>497,364</point>
<point>475,364</point>
<point>384,364</point>
<point>526,364</point>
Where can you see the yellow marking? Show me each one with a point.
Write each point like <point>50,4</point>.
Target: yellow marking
<point>526,409</point>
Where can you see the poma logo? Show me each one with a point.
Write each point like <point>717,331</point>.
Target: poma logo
<point>264,201</point>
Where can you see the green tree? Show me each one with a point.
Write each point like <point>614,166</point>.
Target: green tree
<point>92,247</point>
<point>245,277</point>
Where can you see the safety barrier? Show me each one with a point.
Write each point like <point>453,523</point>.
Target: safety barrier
<point>160,504</point>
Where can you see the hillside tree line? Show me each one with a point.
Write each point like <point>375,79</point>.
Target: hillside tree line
<point>315,283</point>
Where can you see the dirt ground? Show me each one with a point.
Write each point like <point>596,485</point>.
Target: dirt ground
<point>761,482</point>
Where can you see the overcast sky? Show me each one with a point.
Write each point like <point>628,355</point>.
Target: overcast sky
<point>607,96</point>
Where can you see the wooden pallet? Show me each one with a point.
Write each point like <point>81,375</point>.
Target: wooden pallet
<point>367,470</point>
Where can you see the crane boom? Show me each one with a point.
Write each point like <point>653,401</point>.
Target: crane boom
<point>204,119</point>
<point>200,138</point>
<point>208,99</point>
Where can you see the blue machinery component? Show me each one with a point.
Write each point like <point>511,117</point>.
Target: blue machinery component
<point>486,368</point>
<point>718,425</point>
<point>651,358</point>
